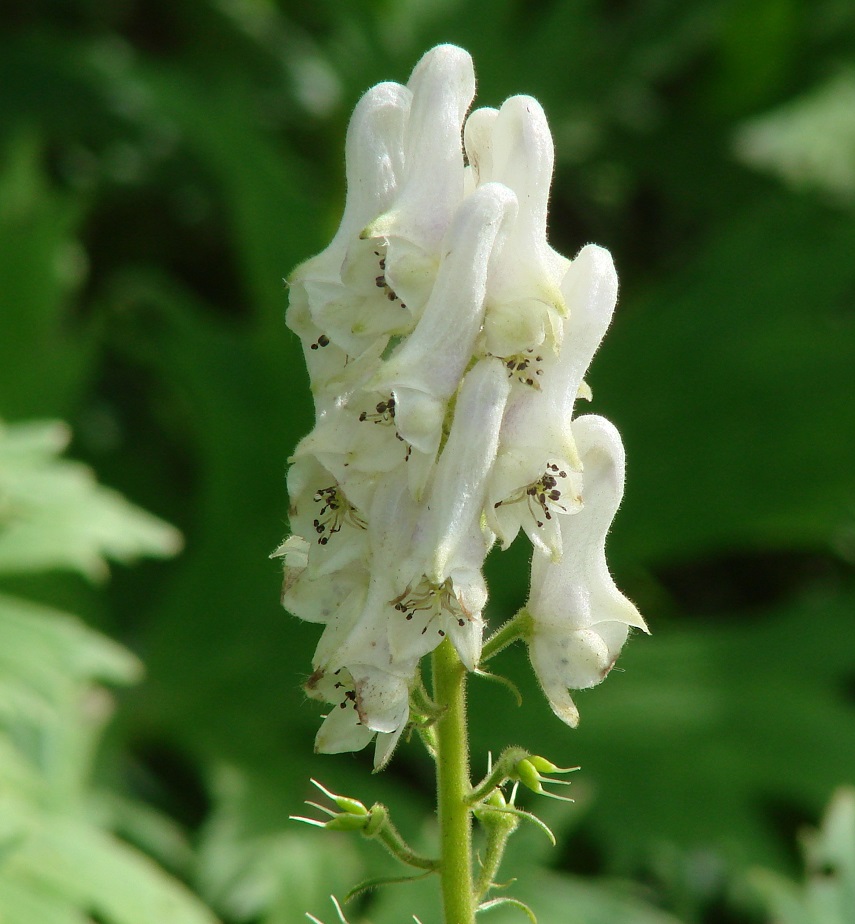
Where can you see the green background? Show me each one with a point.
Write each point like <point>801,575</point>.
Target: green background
<point>164,164</point>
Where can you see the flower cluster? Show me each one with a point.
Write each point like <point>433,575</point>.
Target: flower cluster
<point>446,344</point>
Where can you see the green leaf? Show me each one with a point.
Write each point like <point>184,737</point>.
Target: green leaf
<point>53,514</point>
<point>809,142</point>
<point>46,650</point>
<point>55,863</point>
<point>94,871</point>
<point>21,904</point>
<point>728,381</point>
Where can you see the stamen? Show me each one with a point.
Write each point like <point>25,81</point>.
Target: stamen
<point>545,493</point>
<point>381,283</point>
<point>336,510</point>
<point>432,599</point>
<point>349,699</point>
<point>524,367</point>
<point>384,412</point>
<point>321,342</point>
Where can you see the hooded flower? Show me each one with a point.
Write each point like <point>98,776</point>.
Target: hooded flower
<point>580,619</point>
<point>446,344</point>
<point>538,476</point>
<point>337,307</point>
<point>442,86</point>
<point>513,146</point>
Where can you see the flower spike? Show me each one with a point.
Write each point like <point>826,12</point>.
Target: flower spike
<point>447,344</point>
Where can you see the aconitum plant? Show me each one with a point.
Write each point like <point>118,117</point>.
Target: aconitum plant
<point>447,345</point>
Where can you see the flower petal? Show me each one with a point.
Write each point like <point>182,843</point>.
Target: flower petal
<point>341,731</point>
<point>478,142</point>
<point>321,509</point>
<point>382,699</point>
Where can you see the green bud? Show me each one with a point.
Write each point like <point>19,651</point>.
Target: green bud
<point>351,806</point>
<point>345,803</point>
<point>527,773</point>
<point>376,821</point>
<point>541,764</point>
<point>496,799</point>
<point>347,822</point>
<point>496,817</point>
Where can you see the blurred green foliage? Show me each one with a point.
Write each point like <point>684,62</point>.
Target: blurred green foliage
<point>828,893</point>
<point>60,859</point>
<point>164,164</point>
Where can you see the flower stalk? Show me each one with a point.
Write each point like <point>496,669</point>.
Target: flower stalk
<point>517,627</point>
<point>452,785</point>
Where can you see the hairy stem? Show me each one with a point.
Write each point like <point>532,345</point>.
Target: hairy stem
<point>390,837</point>
<point>502,771</point>
<point>517,627</point>
<point>453,786</point>
<point>499,827</point>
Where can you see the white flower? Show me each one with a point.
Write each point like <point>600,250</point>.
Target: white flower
<point>537,479</point>
<point>365,702</point>
<point>580,618</point>
<point>326,515</point>
<point>355,647</point>
<point>335,317</point>
<point>357,439</point>
<point>316,599</point>
<point>355,670</point>
<point>361,633</point>
<point>442,86</point>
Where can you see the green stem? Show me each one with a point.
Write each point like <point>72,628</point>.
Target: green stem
<point>390,837</point>
<point>453,785</point>
<point>502,770</point>
<point>517,627</point>
<point>499,827</point>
